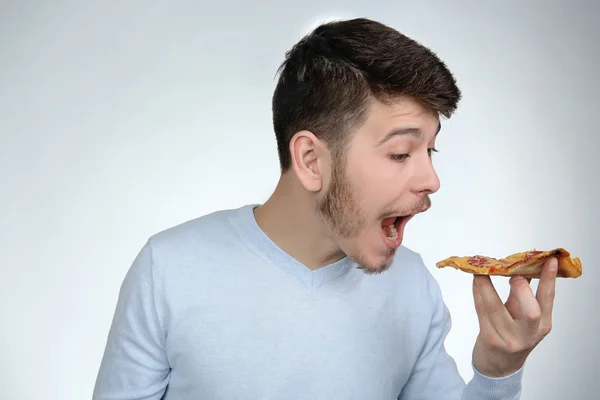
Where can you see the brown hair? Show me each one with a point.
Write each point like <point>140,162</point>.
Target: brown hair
<point>328,77</point>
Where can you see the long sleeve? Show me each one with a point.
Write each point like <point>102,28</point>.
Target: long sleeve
<point>135,365</point>
<point>436,376</point>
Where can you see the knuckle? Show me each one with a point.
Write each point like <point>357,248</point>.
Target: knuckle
<point>545,329</point>
<point>533,315</point>
<point>513,346</point>
<point>492,342</point>
<point>510,345</point>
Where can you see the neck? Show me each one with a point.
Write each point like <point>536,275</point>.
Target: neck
<point>287,217</point>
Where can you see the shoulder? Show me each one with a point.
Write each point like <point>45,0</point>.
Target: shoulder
<point>192,239</point>
<point>198,230</point>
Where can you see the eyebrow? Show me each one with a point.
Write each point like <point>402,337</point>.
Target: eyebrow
<point>415,132</point>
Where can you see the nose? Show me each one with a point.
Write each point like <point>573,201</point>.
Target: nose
<point>426,179</point>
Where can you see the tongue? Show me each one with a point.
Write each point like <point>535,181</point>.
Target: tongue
<point>388,221</point>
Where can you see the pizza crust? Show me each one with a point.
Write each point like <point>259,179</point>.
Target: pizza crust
<point>528,264</point>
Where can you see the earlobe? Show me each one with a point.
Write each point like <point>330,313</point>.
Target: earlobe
<point>306,149</point>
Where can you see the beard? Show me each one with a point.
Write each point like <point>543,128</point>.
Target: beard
<point>341,209</point>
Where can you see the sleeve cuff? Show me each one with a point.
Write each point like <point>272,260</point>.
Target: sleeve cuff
<point>504,388</point>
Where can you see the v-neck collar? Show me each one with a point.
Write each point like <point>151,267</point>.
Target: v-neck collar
<point>311,279</point>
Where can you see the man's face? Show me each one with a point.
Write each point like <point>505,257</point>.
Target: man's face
<point>386,172</point>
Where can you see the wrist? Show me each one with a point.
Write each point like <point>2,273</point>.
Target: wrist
<point>496,372</point>
<point>496,364</point>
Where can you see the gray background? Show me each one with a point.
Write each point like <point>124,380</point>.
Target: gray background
<point>119,119</point>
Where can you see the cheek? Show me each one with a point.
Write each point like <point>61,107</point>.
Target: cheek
<point>385,169</point>
<point>383,178</point>
<point>377,182</point>
<point>372,171</point>
<point>375,194</point>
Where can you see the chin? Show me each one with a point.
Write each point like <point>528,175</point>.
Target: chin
<point>375,268</point>
<point>375,260</point>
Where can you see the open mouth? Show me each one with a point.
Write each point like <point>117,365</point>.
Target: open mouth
<point>393,229</point>
<point>390,227</point>
<point>393,225</point>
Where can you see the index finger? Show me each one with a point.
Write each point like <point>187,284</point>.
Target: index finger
<point>547,289</point>
<point>491,304</point>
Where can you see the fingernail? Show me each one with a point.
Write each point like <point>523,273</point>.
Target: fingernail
<point>553,265</point>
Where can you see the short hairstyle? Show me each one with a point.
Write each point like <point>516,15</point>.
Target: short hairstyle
<point>327,79</point>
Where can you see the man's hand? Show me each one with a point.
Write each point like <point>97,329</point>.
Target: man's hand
<point>509,332</point>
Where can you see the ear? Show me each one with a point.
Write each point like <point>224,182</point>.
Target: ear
<point>308,159</point>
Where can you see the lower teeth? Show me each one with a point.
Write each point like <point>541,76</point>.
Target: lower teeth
<point>394,234</point>
<point>391,231</point>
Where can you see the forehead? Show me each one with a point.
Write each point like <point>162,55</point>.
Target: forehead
<point>403,114</point>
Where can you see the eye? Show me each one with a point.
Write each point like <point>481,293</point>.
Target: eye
<point>431,150</point>
<point>399,157</point>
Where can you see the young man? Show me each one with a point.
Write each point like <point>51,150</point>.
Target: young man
<point>311,295</point>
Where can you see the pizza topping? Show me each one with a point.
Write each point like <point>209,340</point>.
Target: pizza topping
<point>528,257</point>
<point>478,261</point>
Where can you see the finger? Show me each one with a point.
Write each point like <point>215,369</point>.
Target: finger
<point>529,312</point>
<point>486,327</point>
<point>493,306</point>
<point>512,305</point>
<point>546,291</point>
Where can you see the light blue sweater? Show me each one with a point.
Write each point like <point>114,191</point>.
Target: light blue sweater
<point>212,309</point>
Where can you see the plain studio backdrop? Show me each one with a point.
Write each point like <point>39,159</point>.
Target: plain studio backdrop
<point>120,120</point>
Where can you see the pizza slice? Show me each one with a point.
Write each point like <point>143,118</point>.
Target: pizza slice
<point>528,264</point>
